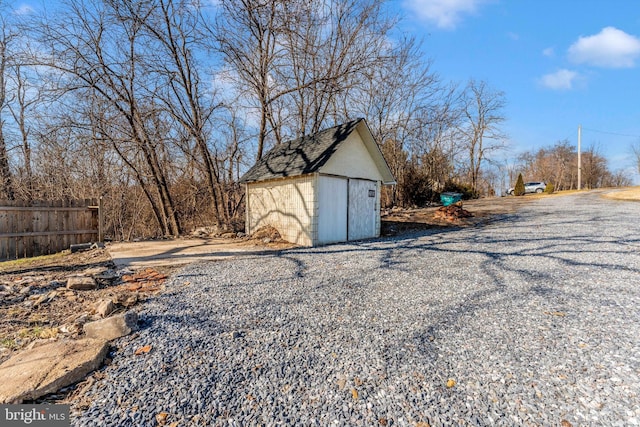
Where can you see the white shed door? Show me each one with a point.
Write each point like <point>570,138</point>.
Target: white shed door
<point>362,209</point>
<point>332,212</point>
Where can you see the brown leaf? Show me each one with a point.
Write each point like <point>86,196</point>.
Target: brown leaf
<point>383,421</point>
<point>161,418</point>
<point>354,394</point>
<point>142,350</point>
<point>555,313</point>
<point>565,423</point>
<point>451,383</point>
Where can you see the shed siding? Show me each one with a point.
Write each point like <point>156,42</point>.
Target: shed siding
<point>288,205</point>
<point>363,212</point>
<point>378,192</point>
<point>352,160</point>
<point>332,209</point>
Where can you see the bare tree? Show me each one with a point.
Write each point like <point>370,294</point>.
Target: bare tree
<point>7,35</point>
<point>101,55</point>
<point>595,172</point>
<point>410,118</point>
<point>176,30</point>
<point>557,164</point>
<point>247,33</point>
<point>483,114</point>
<point>330,52</point>
<point>635,151</point>
<point>297,60</point>
<point>26,97</point>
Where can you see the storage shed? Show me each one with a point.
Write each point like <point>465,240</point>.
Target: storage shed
<point>321,188</point>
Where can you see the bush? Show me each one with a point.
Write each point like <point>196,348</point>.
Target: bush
<point>414,187</point>
<point>549,188</point>
<point>518,190</point>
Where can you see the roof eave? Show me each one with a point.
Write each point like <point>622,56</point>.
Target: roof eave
<point>375,153</point>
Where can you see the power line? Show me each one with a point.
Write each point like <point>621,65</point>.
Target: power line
<point>611,133</point>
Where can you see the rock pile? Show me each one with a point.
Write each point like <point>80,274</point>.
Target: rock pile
<point>67,321</point>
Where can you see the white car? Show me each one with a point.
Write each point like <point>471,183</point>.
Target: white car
<point>531,187</point>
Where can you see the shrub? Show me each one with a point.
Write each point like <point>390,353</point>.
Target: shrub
<point>414,187</point>
<point>549,188</point>
<point>518,190</point>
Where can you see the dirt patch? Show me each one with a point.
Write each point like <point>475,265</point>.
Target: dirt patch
<point>452,213</point>
<point>396,221</point>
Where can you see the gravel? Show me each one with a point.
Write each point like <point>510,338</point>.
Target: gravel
<point>533,319</point>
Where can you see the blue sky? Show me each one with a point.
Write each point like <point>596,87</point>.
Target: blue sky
<point>561,63</point>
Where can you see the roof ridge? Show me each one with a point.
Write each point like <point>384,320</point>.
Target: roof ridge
<point>300,156</point>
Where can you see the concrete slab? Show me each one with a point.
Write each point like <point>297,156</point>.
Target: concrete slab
<point>46,369</point>
<point>177,252</point>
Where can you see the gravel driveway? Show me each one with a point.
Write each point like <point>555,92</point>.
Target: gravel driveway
<point>530,320</point>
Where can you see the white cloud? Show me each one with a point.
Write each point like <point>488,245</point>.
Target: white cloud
<point>610,48</point>
<point>446,14</point>
<point>24,10</point>
<point>550,52</point>
<point>560,80</point>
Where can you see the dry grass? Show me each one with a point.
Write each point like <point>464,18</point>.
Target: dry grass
<point>632,194</point>
<point>6,266</point>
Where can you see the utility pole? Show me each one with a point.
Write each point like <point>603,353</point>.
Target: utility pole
<point>579,158</point>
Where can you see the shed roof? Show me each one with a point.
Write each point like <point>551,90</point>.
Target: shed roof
<point>309,153</point>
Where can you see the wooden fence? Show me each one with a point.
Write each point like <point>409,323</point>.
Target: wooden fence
<point>44,227</point>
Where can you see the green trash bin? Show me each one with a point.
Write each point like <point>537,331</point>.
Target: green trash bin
<point>450,198</point>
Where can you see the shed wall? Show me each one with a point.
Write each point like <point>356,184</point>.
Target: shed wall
<point>289,205</point>
<point>332,209</point>
<point>352,160</point>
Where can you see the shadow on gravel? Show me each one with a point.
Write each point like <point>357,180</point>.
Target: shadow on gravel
<point>537,254</point>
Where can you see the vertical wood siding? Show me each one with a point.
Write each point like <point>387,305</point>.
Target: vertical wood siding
<point>363,209</point>
<point>45,227</point>
<point>332,209</point>
<point>289,205</point>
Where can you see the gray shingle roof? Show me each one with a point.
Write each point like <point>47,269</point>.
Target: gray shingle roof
<point>300,156</point>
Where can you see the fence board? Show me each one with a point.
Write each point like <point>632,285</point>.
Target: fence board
<point>45,227</point>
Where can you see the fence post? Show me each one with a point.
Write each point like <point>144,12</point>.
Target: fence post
<point>100,221</point>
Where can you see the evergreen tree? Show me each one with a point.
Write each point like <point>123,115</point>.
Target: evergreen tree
<point>518,190</point>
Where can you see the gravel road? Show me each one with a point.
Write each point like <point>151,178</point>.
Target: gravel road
<point>533,319</point>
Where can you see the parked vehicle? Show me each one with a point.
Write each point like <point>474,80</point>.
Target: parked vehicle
<point>531,187</point>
